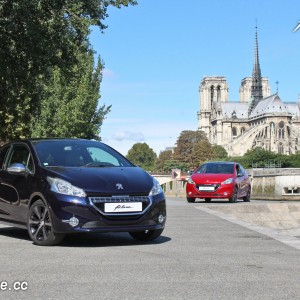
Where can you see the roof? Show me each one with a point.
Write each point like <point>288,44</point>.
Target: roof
<point>271,104</point>
<point>239,108</point>
<point>293,108</point>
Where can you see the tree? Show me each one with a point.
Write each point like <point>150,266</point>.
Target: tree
<point>201,152</point>
<point>38,36</point>
<point>162,158</point>
<point>185,148</point>
<point>69,105</point>
<point>142,155</point>
<point>219,153</point>
<point>175,164</point>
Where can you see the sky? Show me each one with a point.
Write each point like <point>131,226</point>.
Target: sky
<point>157,52</point>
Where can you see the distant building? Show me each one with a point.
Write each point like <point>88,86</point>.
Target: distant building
<point>257,120</point>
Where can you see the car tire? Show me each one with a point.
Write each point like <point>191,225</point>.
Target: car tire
<point>248,196</point>
<point>233,199</point>
<point>190,200</point>
<point>39,225</point>
<point>207,199</point>
<point>146,235</point>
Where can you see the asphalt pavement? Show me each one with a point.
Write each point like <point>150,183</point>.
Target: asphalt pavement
<point>200,255</point>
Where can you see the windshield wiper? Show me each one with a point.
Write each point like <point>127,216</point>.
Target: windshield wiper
<point>99,165</point>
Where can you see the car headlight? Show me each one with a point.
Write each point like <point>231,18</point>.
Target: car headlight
<point>63,187</point>
<point>156,189</point>
<point>228,181</point>
<point>190,180</point>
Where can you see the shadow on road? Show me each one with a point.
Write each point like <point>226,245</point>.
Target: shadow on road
<point>216,201</point>
<point>87,239</point>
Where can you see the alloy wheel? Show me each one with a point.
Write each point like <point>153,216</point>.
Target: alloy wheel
<point>40,227</point>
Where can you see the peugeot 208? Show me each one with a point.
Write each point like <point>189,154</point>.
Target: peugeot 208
<point>214,180</point>
<point>54,187</point>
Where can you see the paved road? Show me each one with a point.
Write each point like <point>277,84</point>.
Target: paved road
<point>199,256</point>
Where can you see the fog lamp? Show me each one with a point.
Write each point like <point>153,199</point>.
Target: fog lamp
<point>161,218</point>
<point>73,221</point>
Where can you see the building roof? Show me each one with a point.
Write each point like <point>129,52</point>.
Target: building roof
<point>293,108</point>
<point>271,104</point>
<point>235,109</point>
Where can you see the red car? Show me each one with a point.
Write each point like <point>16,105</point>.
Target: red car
<point>219,180</point>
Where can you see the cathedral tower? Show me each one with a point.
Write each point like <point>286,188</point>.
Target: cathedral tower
<point>213,91</point>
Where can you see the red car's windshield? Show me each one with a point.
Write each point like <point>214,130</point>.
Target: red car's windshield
<point>216,168</point>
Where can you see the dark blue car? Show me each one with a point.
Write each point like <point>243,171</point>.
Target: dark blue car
<point>57,186</point>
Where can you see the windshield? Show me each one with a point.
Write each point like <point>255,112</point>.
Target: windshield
<point>78,153</point>
<point>216,168</point>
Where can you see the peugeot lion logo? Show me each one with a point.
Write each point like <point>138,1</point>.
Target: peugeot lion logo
<point>119,186</point>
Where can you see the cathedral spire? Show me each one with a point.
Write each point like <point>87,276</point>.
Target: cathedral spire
<point>256,87</point>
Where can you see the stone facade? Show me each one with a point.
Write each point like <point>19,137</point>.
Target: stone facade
<point>257,120</point>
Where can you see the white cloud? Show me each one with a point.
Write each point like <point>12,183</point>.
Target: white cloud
<point>157,134</point>
<point>107,73</point>
<point>129,135</point>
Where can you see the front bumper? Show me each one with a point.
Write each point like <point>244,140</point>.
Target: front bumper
<point>63,208</point>
<point>223,191</point>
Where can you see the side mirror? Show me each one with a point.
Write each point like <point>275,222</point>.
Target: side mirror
<point>17,169</point>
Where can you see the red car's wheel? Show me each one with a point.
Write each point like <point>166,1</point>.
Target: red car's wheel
<point>190,200</point>
<point>247,197</point>
<point>234,197</point>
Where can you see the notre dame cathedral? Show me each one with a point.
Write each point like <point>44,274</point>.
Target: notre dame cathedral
<point>259,119</point>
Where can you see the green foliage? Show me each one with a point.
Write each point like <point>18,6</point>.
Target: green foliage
<point>257,157</point>
<point>37,37</point>
<point>261,158</point>
<point>187,151</point>
<point>162,158</point>
<point>201,152</point>
<point>69,105</point>
<point>219,153</point>
<point>171,164</point>
<point>142,155</point>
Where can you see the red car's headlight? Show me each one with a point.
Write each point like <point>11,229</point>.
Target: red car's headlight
<point>190,180</point>
<point>228,181</point>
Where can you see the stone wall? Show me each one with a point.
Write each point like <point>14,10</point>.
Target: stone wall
<point>276,186</point>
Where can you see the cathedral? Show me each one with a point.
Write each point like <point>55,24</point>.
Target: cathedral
<point>259,119</point>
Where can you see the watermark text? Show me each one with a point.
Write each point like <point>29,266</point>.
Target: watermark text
<point>16,286</point>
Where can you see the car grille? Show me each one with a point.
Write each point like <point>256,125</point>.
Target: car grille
<point>99,203</point>
<point>207,187</point>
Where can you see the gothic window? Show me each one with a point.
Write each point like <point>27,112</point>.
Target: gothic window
<point>272,128</point>
<point>234,132</point>
<point>266,132</point>
<point>219,93</point>
<point>281,130</point>
<point>280,148</point>
<point>211,95</point>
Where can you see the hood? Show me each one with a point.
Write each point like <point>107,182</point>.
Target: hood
<point>110,180</point>
<point>210,178</point>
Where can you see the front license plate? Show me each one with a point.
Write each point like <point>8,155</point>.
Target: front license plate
<point>206,188</point>
<point>123,207</point>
